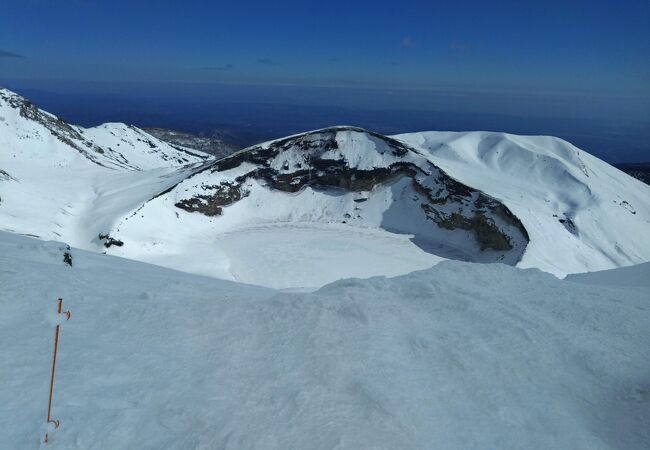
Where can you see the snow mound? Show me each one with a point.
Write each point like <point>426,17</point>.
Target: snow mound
<point>459,356</point>
<point>581,214</point>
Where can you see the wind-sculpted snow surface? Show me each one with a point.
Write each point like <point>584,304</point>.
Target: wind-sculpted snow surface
<point>581,214</point>
<point>459,356</point>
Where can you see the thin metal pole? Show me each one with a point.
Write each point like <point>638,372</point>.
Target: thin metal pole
<point>56,345</point>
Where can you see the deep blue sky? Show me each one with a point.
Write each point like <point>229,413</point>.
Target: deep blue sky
<point>564,60</point>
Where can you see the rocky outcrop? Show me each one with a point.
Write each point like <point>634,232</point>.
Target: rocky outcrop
<point>109,241</point>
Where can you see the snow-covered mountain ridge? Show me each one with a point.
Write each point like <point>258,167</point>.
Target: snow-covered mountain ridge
<point>581,213</point>
<point>60,181</point>
<point>318,206</point>
<point>111,145</point>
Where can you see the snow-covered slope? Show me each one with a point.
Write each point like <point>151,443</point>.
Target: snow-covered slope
<point>460,356</point>
<point>342,187</point>
<point>32,135</point>
<point>60,181</point>
<point>630,276</point>
<point>581,214</point>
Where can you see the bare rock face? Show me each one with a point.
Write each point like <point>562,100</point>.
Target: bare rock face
<point>347,160</point>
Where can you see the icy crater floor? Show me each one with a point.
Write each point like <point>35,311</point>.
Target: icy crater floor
<point>279,255</point>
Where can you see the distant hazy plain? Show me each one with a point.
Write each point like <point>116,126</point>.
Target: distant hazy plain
<point>616,129</point>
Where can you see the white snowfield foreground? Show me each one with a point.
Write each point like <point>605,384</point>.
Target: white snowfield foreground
<point>66,183</point>
<point>459,356</point>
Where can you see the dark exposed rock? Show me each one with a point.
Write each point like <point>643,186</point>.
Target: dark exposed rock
<point>224,194</point>
<point>569,224</point>
<point>625,204</point>
<point>109,241</point>
<point>487,233</point>
<point>4,176</point>
<point>67,257</point>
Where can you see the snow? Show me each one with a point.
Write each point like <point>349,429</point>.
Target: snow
<point>144,150</point>
<point>361,151</point>
<point>458,356</point>
<point>384,229</point>
<point>637,276</point>
<point>543,180</point>
<point>31,134</point>
<point>298,242</point>
<point>317,254</point>
<point>69,190</point>
<point>580,213</point>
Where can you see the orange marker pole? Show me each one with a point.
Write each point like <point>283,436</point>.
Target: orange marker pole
<point>56,345</point>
